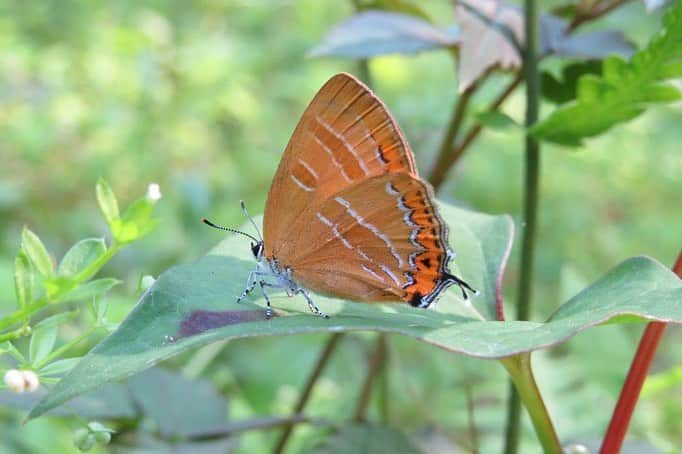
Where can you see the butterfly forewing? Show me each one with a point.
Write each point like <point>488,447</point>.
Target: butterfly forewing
<point>345,136</point>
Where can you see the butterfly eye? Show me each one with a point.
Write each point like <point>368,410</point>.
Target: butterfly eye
<point>256,249</point>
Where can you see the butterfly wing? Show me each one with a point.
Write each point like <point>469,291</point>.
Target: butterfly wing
<point>345,136</point>
<point>379,240</point>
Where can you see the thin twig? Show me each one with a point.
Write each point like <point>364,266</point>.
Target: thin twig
<point>634,381</point>
<point>376,363</point>
<point>321,363</point>
<point>473,433</point>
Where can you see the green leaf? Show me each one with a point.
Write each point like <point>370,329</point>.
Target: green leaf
<point>623,91</point>
<point>179,415</point>
<point>135,222</point>
<point>8,347</point>
<point>107,201</point>
<point>23,279</point>
<point>192,305</point>
<point>357,438</point>
<point>58,367</point>
<point>496,120</point>
<point>44,336</point>
<point>565,89</point>
<point>89,290</point>
<point>80,256</point>
<point>35,249</point>
<point>373,33</point>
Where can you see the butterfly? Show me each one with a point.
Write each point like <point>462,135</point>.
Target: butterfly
<point>347,214</point>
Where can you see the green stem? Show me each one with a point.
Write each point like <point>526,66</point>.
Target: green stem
<point>27,311</point>
<point>16,334</point>
<point>531,195</point>
<point>521,372</point>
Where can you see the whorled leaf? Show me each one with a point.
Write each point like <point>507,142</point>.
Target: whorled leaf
<point>192,305</point>
<point>374,32</point>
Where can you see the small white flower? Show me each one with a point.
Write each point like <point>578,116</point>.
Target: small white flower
<point>14,380</point>
<point>153,192</point>
<point>31,381</point>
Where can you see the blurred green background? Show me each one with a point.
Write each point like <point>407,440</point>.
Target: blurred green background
<point>201,97</point>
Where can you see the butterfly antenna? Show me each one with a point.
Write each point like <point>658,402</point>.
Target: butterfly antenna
<point>253,223</point>
<point>228,229</point>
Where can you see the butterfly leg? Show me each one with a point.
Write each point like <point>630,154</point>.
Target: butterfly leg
<point>313,307</point>
<point>250,284</point>
<point>263,284</point>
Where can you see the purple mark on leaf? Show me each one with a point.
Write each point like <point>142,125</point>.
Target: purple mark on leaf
<point>199,321</point>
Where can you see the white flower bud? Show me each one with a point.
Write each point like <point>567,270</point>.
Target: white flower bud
<point>14,380</point>
<point>153,192</point>
<point>31,381</point>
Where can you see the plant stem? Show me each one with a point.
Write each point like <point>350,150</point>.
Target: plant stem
<point>530,203</point>
<point>64,348</point>
<point>521,372</point>
<point>376,363</point>
<point>639,368</point>
<point>17,333</point>
<point>440,165</point>
<point>320,365</point>
<point>473,434</point>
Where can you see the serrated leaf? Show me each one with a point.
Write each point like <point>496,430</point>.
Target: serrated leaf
<point>367,438</point>
<point>192,305</point>
<point>565,89</point>
<point>107,201</point>
<point>36,251</point>
<point>23,279</point>
<point>58,367</point>
<point>89,290</point>
<point>623,91</point>
<point>374,32</point>
<point>80,256</point>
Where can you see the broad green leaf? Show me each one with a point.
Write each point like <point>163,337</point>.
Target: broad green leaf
<point>107,201</point>
<point>357,438</point>
<point>179,414</point>
<point>89,290</point>
<point>80,256</point>
<point>58,367</point>
<point>623,91</point>
<point>23,279</point>
<point>135,222</point>
<point>372,33</point>
<point>35,249</point>
<point>192,305</point>
<point>44,336</point>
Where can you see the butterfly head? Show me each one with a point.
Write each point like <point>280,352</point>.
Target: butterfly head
<point>257,249</point>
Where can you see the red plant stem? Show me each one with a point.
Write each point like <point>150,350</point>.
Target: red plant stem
<point>639,368</point>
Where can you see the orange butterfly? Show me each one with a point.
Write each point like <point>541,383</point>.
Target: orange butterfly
<point>347,214</point>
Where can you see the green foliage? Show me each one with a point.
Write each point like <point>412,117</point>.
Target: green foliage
<point>623,91</point>
<point>177,314</point>
<point>367,438</point>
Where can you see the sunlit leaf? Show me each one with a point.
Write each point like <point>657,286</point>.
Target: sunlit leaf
<point>36,251</point>
<point>89,290</point>
<point>23,279</point>
<point>107,201</point>
<point>80,256</point>
<point>371,33</point>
